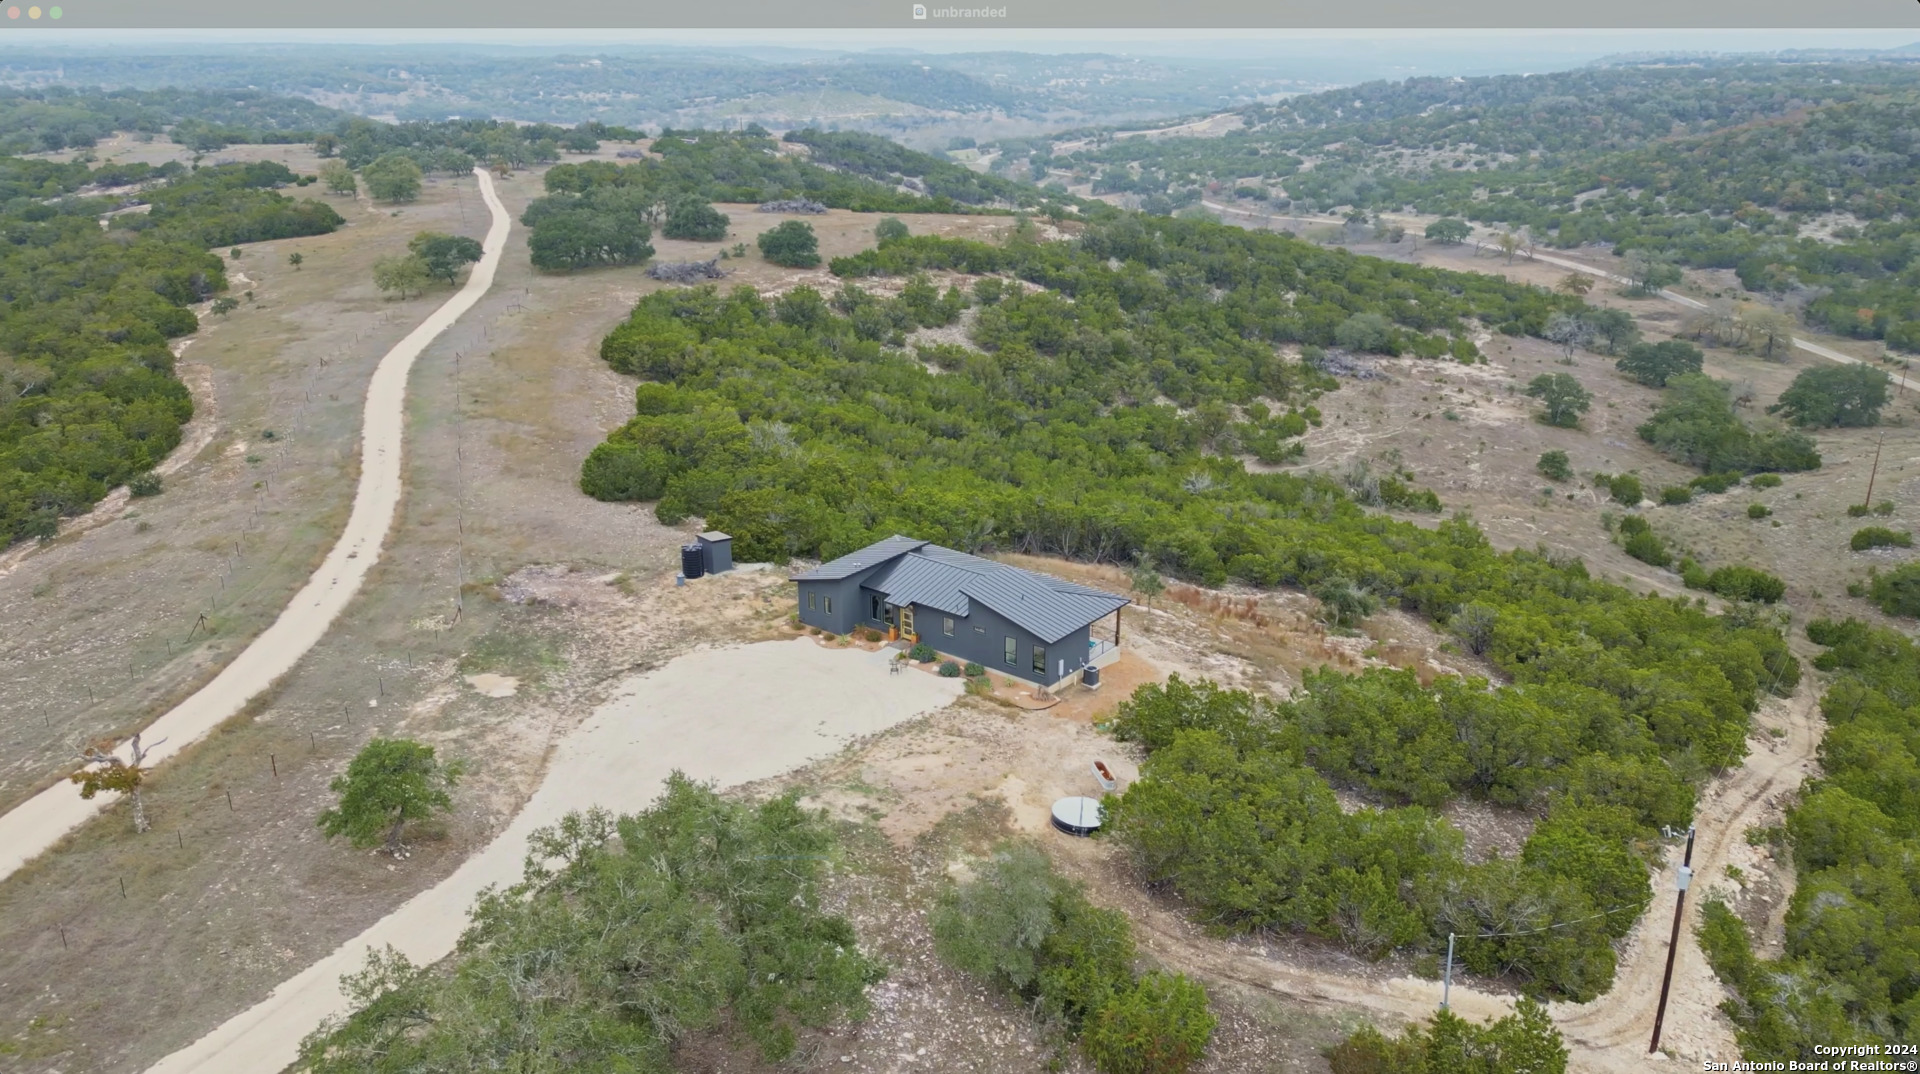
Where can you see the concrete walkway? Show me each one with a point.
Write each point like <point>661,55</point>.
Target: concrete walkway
<point>36,824</point>
<point>727,715</point>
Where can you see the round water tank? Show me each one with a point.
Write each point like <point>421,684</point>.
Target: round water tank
<point>693,560</point>
<point>1076,816</point>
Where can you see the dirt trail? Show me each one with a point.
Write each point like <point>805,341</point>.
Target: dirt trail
<point>1611,1033</point>
<point>1622,1020</point>
<point>41,821</point>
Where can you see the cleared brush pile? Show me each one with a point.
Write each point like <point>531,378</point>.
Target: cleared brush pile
<point>793,205</point>
<point>687,272</point>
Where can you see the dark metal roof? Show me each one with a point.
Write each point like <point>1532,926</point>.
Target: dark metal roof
<point>854,562</point>
<point>946,580</point>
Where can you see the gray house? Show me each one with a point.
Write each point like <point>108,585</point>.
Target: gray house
<point>1013,621</point>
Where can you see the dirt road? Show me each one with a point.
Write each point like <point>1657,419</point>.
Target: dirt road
<point>1809,346</point>
<point>1693,303</point>
<point>42,820</point>
<point>731,715</point>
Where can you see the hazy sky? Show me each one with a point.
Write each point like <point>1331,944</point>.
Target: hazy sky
<point>1547,44</point>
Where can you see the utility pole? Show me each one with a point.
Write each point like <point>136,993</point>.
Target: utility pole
<point>1681,881</point>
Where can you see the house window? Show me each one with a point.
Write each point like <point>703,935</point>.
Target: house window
<point>809,600</point>
<point>826,605</point>
<point>878,615</point>
<point>946,627</point>
<point>1040,659</point>
<point>1013,653</point>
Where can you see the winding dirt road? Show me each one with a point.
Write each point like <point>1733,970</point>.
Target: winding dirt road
<point>41,821</point>
<point>1809,346</point>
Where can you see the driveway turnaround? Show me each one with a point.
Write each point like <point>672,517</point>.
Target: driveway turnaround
<point>727,715</point>
<point>39,822</point>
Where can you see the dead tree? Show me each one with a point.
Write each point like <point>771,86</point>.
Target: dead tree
<point>105,772</point>
<point>686,271</point>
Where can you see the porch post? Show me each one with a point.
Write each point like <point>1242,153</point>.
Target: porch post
<point>1116,628</point>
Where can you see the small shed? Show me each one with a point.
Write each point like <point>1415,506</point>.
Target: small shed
<point>717,547</point>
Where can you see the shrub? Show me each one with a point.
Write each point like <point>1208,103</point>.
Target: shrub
<point>1758,510</point>
<point>1765,481</point>
<point>692,218</point>
<point>1625,489</point>
<point>1717,482</point>
<point>1648,548</point>
<point>1745,583</point>
<point>949,669</point>
<point>973,670</point>
<point>1161,1026</point>
<point>1883,508</point>
<point>1857,510</point>
<point>921,652</point>
<point>146,484</point>
<point>1554,466</point>
<point>1879,537</point>
<point>792,244</point>
<point>1897,592</point>
<point>1676,494</point>
<point>889,230</point>
<point>1524,1041</point>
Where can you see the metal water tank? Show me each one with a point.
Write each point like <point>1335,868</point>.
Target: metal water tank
<point>693,560</point>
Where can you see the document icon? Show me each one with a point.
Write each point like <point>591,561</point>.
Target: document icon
<point>919,11</point>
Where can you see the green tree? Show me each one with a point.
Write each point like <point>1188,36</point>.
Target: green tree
<point>623,939</point>
<point>791,243</point>
<point>389,782</point>
<point>1448,231</point>
<point>296,259</point>
<point>1365,332</point>
<point>1564,398</point>
<point>444,255</point>
<point>889,230</point>
<point>1648,271</point>
<point>1554,466</point>
<point>1897,592</point>
<point>694,219</point>
<point>588,238</point>
<point>224,305</point>
<point>1826,396</point>
<point>392,178</point>
<point>1653,364</point>
<point>1613,328</point>
<point>338,177</point>
<point>404,275</point>
<point>1161,1026</point>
